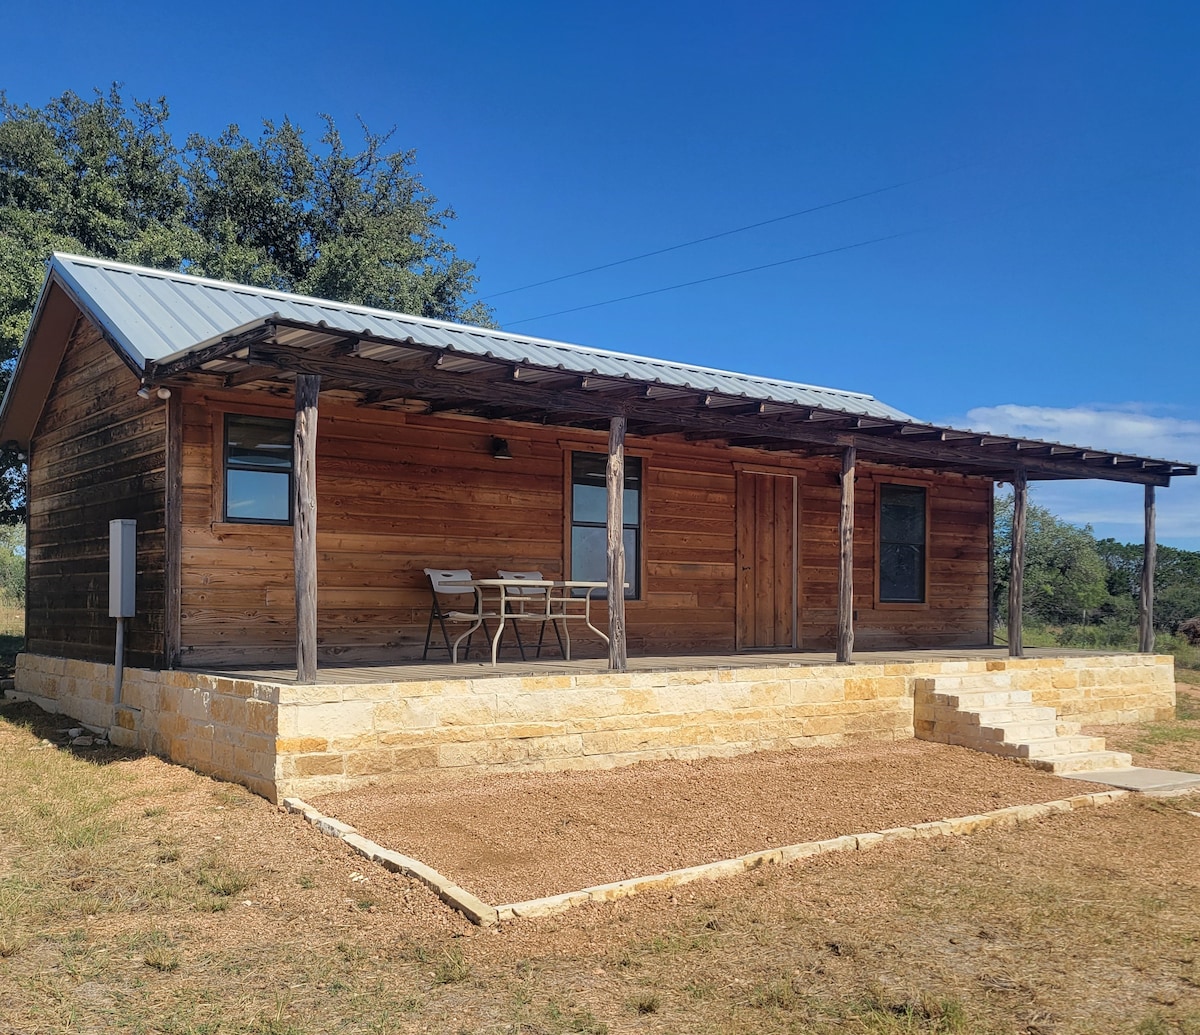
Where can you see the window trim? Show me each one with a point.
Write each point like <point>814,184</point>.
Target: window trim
<point>595,449</point>
<point>916,483</point>
<point>225,517</point>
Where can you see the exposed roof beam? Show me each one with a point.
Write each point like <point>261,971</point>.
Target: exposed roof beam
<point>964,451</point>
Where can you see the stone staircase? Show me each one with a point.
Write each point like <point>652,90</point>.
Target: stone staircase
<point>982,711</point>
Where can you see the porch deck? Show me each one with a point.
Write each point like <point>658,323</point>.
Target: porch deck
<point>414,671</point>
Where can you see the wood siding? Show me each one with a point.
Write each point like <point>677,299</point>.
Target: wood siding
<point>398,493</point>
<point>98,453</point>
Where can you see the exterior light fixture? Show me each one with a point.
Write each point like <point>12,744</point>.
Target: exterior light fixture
<point>500,450</point>
<point>163,393</point>
<point>143,392</point>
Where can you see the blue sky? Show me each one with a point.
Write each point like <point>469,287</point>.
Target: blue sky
<point>1036,168</point>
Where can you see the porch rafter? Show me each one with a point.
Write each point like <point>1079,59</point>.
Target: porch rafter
<point>449,381</point>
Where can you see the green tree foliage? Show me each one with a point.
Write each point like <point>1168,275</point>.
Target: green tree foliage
<point>104,177</point>
<point>1176,579</point>
<point>12,565</point>
<point>1073,580</point>
<point>1065,578</point>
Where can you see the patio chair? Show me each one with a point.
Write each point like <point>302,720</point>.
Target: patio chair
<point>534,604</point>
<point>449,603</point>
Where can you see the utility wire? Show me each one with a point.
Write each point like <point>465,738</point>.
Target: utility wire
<point>718,236</point>
<point>719,276</point>
<point>1103,185</point>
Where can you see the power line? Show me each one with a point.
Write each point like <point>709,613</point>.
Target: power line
<point>718,236</point>
<point>719,276</point>
<point>1120,180</point>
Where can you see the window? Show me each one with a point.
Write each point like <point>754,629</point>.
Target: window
<point>258,469</point>
<point>589,507</point>
<point>901,544</point>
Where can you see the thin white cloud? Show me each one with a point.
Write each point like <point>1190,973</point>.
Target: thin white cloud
<point>1111,508</point>
<point>1133,428</point>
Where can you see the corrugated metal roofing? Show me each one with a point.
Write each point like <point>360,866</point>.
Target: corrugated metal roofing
<point>153,314</point>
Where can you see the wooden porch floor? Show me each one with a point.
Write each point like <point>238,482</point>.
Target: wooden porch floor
<point>474,669</point>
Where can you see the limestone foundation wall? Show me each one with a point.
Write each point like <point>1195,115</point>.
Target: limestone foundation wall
<point>283,739</point>
<point>216,725</point>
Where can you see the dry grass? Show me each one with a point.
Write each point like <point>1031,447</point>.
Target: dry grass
<point>1084,923</point>
<point>12,620</point>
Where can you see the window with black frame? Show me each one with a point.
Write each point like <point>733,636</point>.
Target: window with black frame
<point>589,509</point>
<point>902,535</point>
<point>258,469</point>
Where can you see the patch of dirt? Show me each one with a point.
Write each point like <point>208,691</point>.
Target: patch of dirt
<point>514,836</point>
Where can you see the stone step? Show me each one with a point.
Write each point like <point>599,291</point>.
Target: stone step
<point>972,699</point>
<point>1056,746</point>
<point>1082,762</point>
<point>968,683</point>
<point>1068,729</point>
<point>1021,713</point>
<point>990,716</point>
<point>1018,732</point>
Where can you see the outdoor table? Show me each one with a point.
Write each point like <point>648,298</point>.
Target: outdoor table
<point>556,606</point>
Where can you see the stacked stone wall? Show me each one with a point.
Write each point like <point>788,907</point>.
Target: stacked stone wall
<point>220,726</point>
<point>332,737</point>
<point>284,739</point>
<point>1099,689</point>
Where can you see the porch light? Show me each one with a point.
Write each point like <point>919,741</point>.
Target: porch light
<point>143,392</point>
<point>500,450</point>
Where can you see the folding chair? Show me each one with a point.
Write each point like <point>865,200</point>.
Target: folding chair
<point>533,604</point>
<point>441,589</point>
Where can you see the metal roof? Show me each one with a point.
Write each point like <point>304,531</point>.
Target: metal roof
<point>155,315</point>
<point>173,326</point>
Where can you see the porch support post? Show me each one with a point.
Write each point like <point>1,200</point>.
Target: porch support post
<point>618,660</point>
<point>845,618</point>
<point>1016,568</point>
<point>1149,559</point>
<point>304,525</point>
<point>173,533</point>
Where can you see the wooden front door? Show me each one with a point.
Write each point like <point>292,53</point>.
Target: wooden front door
<point>766,561</point>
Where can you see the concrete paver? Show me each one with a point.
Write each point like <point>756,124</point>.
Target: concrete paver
<point>1161,782</point>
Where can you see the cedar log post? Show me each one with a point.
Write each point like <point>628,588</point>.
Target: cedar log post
<point>991,607</point>
<point>173,533</point>
<point>618,660</point>
<point>304,525</point>
<point>1016,567</point>
<point>845,617</point>
<point>1149,559</point>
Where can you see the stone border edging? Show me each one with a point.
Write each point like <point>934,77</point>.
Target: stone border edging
<point>473,908</point>
<point>481,913</point>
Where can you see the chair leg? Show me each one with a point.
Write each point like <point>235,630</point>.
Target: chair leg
<point>428,634</point>
<point>517,630</point>
<point>445,634</point>
<point>565,652</point>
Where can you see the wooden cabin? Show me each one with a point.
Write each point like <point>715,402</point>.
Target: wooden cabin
<point>758,514</point>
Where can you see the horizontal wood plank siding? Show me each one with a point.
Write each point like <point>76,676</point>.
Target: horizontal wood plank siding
<point>98,453</point>
<point>397,493</point>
